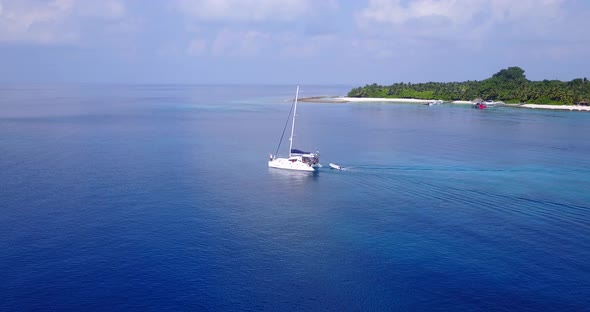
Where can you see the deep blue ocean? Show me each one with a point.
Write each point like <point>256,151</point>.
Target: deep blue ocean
<point>159,198</point>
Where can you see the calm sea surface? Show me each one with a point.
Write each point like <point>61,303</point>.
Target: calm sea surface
<point>159,198</point>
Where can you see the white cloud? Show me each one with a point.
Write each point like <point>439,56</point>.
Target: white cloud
<point>253,43</point>
<point>240,43</point>
<point>247,28</point>
<point>245,10</point>
<point>33,21</point>
<point>55,21</point>
<point>105,9</point>
<point>197,46</point>
<point>471,24</point>
<point>397,11</point>
<point>292,45</point>
<point>472,18</point>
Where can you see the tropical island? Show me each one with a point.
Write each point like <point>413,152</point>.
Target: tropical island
<point>509,85</point>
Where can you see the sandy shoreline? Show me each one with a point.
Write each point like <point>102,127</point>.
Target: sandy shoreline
<point>393,100</point>
<point>345,99</point>
<point>560,107</point>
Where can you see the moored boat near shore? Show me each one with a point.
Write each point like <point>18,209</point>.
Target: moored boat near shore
<point>434,102</point>
<point>480,105</point>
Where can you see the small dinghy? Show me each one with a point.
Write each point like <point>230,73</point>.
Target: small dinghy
<point>335,166</point>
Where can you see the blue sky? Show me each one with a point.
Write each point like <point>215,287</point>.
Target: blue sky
<point>290,41</point>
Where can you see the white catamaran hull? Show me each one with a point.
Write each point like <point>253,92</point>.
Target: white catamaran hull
<point>298,159</point>
<point>284,163</point>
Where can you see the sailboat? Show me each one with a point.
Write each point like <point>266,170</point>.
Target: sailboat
<point>298,159</point>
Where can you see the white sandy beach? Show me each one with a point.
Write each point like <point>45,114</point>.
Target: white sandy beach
<point>342,99</point>
<point>345,99</point>
<point>393,100</point>
<point>560,107</point>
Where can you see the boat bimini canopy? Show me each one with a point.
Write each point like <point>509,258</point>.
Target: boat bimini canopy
<point>299,152</point>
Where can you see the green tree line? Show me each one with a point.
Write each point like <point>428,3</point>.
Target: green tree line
<point>509,85</point>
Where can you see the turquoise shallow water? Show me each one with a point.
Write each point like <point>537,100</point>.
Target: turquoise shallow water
<point>159,198</point>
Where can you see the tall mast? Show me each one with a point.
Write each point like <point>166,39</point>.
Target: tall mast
<point>293,125</point>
